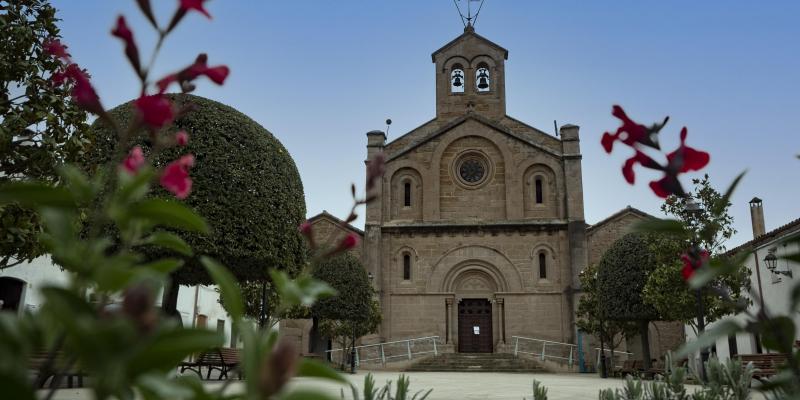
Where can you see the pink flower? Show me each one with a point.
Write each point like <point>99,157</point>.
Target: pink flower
<point>638,158</point>
<point>134,161</point>
<point>305,228</point>
<point>55,48</point>
<point>196,5</point>
<point>349,241</point>
<point>182,138</point>
<point>155,110</point>
<point>217,74</point>
<point>631,133</point>
<point>175,177</point>
<point>84,94</point>
<point>131,51</point>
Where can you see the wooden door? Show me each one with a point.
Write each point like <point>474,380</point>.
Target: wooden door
<point>474,326</point>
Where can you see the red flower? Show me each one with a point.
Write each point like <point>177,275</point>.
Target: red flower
<point>155,111</point>
<point>631,133</point>
<point>196,5</point>
<point>134,161</point>
<point>131,51</point>
<point>375,169</point>
<point>349,241</point>
<point>640,158</point>
<point>55,48</point>
<point>175,177</point>
<point>306,230</point>
<point>84,94</point>
<point>182,138</point>
<point>683,159</point>
<point>693,260</point>
<point>217,74</point>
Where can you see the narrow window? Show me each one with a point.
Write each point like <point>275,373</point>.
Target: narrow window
<point>406,267</point>
<point>732,347</point>
<point>482,81</point>
<point>539,194</point>
<point>542,266</point>
<point>757,339</point>
<point>407,194</point>
<point>221,326</point>
<point>457,79</point>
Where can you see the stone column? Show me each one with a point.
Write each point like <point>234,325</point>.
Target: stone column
<point>448,307</point>
<point>501,308</point>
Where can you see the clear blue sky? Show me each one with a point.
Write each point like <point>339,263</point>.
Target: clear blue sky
<point>319,74</point>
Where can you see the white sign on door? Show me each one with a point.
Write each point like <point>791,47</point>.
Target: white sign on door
<point>476,330</point>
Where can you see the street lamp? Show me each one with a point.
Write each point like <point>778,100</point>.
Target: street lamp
<point>771,260</point>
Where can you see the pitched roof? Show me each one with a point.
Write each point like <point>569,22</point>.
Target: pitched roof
<point>460,120</point>
<point>620,213</point>
<point>326,215</point>
<point>467,33</point>
<point>767,237</point>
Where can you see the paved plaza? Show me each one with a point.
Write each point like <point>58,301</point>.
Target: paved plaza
<point>452,385</point>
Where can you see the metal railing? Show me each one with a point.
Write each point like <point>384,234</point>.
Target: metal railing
<point>597,355</point>
<point>558,351</point>
<point>392,351</point>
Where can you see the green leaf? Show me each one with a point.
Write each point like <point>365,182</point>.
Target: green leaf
<point>169,213</point>
<point>720,329</point>
<point>164,388</point>
<point>77,182</point>
<point>316,369</point>
<point>777,333</point>
<point>168,348</point>
<point>304,290</point>
<point>32,194</point>
<point>163,266</point>
<point>231,295</point>
<point>170,241</point>
<point>16,387</point>
<point>665,226</point>
<point>716,267</point>
<point>719,207</point>
<point>134,187</point>
<point>795,297</point>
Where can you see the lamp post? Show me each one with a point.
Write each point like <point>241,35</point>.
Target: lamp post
<point>693,210</point>
<point>603,369</point>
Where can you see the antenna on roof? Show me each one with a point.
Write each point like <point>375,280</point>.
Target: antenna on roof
<point>555,126</point>
<point>388,123</point>
<point>469,20</point>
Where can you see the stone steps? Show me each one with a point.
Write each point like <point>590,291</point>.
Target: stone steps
<point>472,362</point>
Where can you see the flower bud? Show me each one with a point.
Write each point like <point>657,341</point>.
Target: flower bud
<point>138,305</point>
<point>278,368</point>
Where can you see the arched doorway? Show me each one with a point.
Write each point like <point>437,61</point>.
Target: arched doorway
<point>11,291</point>
<point>474,289</point>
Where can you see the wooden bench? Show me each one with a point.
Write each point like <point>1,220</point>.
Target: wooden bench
<point>766,365</point>
<point>222,359</point>
<point>629,367</point>
<point>39,364</point>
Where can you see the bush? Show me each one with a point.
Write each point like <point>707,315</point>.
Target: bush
<point>246,185</point>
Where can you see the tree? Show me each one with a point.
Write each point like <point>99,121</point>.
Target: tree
<point>710,227</point>
<point>591,321</point>
<point>40,127</point>
<point>621,277</point>
<point>353,312</point>
<point>247,188</point>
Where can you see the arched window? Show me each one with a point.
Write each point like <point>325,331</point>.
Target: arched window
<point>482,80</point>
<point>406,267</point>
<point>542,266</point>
<point>457,79</point>
<point>407,194</point>
<point>539,192</point>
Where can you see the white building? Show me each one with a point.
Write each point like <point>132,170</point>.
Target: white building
<point>19,290</point>
<point>771,279</point>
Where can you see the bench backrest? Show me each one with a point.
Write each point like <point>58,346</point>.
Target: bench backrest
<point>229,355</point>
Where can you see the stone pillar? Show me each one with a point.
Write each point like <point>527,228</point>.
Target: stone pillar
<point>448,307</point>
<point>501,308</point>
<point>371,255</point>
<point>576,228</point>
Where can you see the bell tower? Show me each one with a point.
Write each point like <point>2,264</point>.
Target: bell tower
<point>470,77</point>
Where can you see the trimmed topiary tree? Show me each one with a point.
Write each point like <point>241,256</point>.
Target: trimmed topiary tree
<point>621,277</point>
<point>246,185</point>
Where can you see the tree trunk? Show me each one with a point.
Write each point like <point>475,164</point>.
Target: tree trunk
<point>643,332</point>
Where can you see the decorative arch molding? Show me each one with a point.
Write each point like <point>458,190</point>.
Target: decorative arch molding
<point>474,257</point>
<point>552,268</point>
<point>433,186</point>
<point>392,195</point>
<point>553,191</point>
<point>473,279</point>
<point>448,64</point>
<point>405,249</point>
<point>483,58</point>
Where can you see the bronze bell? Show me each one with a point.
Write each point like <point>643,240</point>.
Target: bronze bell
<point>457,80</point>
<point>483,82</point>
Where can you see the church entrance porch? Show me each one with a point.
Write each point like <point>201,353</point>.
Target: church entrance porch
<point>475,326</point>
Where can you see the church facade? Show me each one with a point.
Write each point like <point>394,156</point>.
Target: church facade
<point>478,233</point>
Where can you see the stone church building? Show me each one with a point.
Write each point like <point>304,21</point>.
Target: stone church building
<point>478,233</point>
